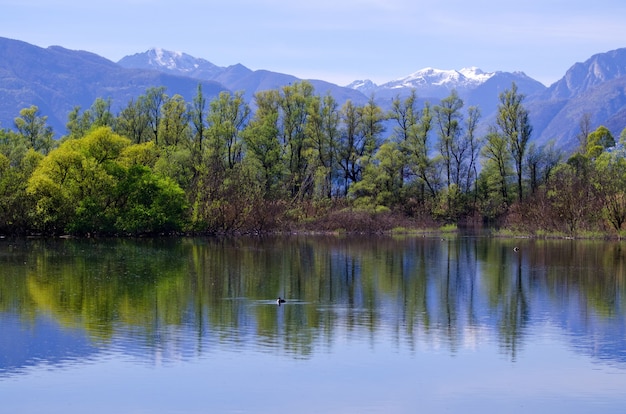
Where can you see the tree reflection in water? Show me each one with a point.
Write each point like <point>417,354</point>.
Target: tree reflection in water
<point>185,296</point>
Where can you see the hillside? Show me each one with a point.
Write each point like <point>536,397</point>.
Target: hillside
<point>57,79</point>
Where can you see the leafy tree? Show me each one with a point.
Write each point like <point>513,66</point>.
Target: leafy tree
<point>351,145</point>
<point>598,141</point>
<point>407,123</point>
<point>148,203</point>
<point>381,184</point>
<point>421,164</point>
<point>152,104</point>
<point>323,129</point>
<point>496,171</point>
<point>611,185</point>
<point>263,145</point>
<point>16,165</point>
<point>32,126</point>
<point>92,185</point>
<point>294,105</point>
<point>448,120</point>
<point>133,121</point>
<point>227,118</point>
<point>174,123</point>
<point>514,125</point>
<point>198,120</point>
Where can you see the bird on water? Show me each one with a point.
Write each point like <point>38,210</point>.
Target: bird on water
<point>280,300</point>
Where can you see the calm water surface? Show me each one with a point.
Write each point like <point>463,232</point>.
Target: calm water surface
<point>406,325</point>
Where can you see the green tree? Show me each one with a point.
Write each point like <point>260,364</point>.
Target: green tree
<point>448,120</point>
<point>133,121</point>
<point>152,104</point>
<point>264,149</point>
<point>294,106</point>
<point>407,125</point>
<point>421,164</point>
<point>174,123</point>
<point>90,185</point>
<point>227,118</point>
<point>496,171</point>
<point>323,128</point>
<point>351,145</point>
<point>33,127</point>
<point>598,141</point>
<point>197,117</point>
<point>513,123</point>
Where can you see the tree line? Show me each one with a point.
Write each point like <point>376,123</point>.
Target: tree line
<point>163,165</point>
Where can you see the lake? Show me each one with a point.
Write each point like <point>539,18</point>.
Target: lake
<point>371,324</point>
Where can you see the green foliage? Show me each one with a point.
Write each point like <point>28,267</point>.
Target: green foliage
<point>147,203</point>
<point>163,165</point>
<point>88,185</point>
<point>598,141</point>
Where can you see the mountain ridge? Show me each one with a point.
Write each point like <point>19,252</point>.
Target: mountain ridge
<point>58,79</point>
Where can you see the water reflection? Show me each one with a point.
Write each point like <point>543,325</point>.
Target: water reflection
<point>179,299</point>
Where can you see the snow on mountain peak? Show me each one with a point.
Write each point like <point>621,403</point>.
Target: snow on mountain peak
<point>450,78</point>
<point>172,60</point>
<point>476,74</point>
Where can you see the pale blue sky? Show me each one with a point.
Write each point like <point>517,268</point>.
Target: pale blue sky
<point>334,40</point>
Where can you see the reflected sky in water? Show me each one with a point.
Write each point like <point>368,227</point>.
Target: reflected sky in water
<point>379,325</point>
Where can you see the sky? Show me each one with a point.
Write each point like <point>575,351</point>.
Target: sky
<point>334,40</point>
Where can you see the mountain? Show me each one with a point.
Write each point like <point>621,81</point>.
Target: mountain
<point>235,78</point>
<point>174,63</point>
<point>596,87</point>
<point>57,79</point>
<point>474,86</point>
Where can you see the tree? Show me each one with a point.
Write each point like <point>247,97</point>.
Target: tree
<point>473,143</point>
<point>585,129</point>
<point>407,117</point>
<point>153,102</point>
<point>350,145</point>
<point>514,125</point>
<point>32,126</point>
<point>496,169</point>
<point>323,129</point>
<point>261,137</point>
<point>133,121</point>
<point>198,128</point>
<point>421,164</point>
<point>449,128</point>
<point>174,123</point>
<point>598,141</point>
<point>90,185</point>
<point>294,106</point>
<point>227,118</point>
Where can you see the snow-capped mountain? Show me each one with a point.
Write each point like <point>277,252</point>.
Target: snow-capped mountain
<point>236,77</point>
<point>366,86</point>
<point>178,63</point>
<point>450,79</point>
<point>430,82</point>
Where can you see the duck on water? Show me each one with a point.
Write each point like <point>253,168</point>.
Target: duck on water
<point>280,300</point>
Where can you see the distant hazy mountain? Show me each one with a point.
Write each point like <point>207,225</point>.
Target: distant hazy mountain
<point>175,63</point>
<point>428,82</point>
<point>596,87</point>
<point>57,79</point>
<point>235,78</point>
